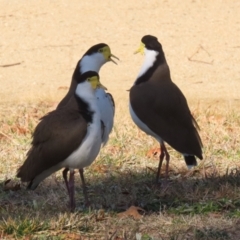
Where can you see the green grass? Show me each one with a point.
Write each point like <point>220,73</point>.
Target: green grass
<point>21,227</point>
<point>200,204</point>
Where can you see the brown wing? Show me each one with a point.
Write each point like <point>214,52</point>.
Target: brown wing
<point>164,109</point>
<point>57,135</point>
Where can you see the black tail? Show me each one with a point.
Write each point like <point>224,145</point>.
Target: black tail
<point>29,186</point>
<point>190,161</point>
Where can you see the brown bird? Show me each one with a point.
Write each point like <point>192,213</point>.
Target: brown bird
<point>69,137</point>
<point>94,58</point>
<point>159,108</point>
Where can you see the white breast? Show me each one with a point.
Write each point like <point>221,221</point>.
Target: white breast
<point>142,125</point>
<point>106,109</point>
<point>150,58</point>
<point>86,153</point>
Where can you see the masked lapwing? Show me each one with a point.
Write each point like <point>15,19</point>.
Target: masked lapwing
<point>69,137</point>
<point>159,108</point>
<point>93,60</point>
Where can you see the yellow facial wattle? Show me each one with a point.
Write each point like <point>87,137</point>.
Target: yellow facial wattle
<point>95,83</point>
<point>106,51</point>
<point>140,49</point>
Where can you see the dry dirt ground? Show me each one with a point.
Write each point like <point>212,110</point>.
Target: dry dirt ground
<point>201,40</point>
<point>40,44</point>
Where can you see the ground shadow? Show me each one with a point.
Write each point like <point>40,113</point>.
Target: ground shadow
<point>185,193</point>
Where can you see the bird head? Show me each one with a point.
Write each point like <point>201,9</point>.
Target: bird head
<point>95,57</point>
<point>149,42</point>
<point>92,78</point>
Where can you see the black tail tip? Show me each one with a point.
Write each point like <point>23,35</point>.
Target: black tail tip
<point>190,161</point>
<point>31,185</point>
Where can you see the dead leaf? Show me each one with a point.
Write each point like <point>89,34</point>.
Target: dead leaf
<point>17,129</point>
<point>216,119</point>
<point>215,215</point>
<point>11,185</point>
<point>100,168</point>
<point>22,130</point>
<point>100,215</point>
<point>27,238</point>
<point>3,136</point>
<point>132,212</point>
<point>154,152</point>
<point>114,149</point>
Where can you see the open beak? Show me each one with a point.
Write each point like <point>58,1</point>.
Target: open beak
<point>113,57</point>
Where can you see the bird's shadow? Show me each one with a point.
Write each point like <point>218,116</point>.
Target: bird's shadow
<point>193,192</point>
<point>184,192</point>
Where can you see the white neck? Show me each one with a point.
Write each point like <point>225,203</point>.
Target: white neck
<point>92,62</point>
<point>86,92</point>
<point>150,57</point>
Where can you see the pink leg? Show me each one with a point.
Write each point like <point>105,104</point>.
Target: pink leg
<point>161,157</point>
<point>71,191</point>
<point>167,160</point>
<point>64,173</point>
<point>87,202</point>
<point>164,153</point>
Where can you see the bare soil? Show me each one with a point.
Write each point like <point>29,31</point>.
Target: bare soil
<point>47,38</point>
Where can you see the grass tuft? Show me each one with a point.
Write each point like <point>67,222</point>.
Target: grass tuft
<point>22,227</point>
<point>199,204</point>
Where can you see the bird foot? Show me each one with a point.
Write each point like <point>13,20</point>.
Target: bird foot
<point>72,207</point>
<point>165,184</point>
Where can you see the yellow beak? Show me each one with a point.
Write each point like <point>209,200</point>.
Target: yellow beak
<point>101,86</point>
<point>140,49</point>
<point>94,81</point>
<point>113,57</point>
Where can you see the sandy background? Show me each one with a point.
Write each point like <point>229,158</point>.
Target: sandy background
<point>201,40</point>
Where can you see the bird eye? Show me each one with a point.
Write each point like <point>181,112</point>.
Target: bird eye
<point>100,50</point>
<point>88,79</point>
